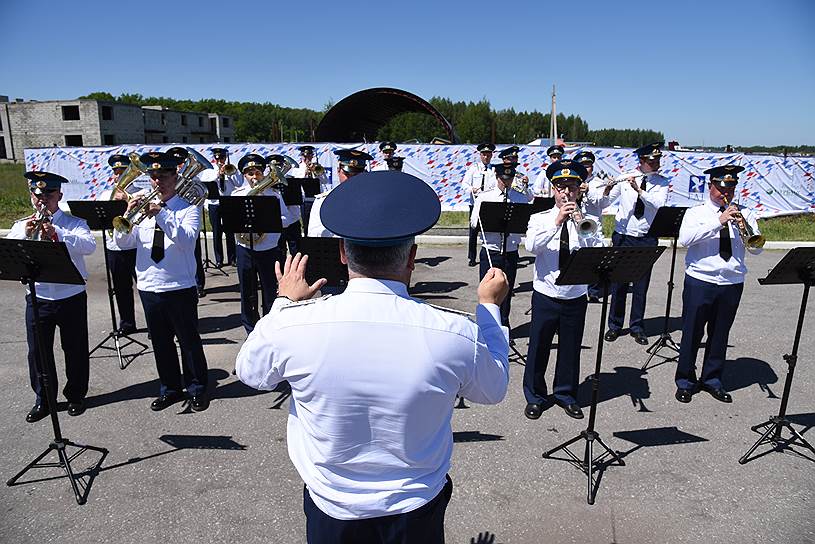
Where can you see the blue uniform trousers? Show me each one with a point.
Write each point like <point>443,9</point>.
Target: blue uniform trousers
<point>619,291</point>
<point>305,212</point>
<point>509,264</point>
<point>122,266</point>
<point>200,278</point>
<point>71,316</point>
<point>714,306</point>
<point>290,239</point>
<point>217,234</point>
<point>252,264</point>
<point>567,318</point>
<point>169,315</point>
<point>424,525</point>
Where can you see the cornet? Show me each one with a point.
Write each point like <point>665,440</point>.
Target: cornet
<point>586,226</point>
<point>41,217</point>
<point>749,238</point>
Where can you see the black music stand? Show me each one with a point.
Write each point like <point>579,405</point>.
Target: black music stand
<point>30,261</point>
<point>311,186</point>
<point>251,215</point>
<point>797,266</point>
<point>543,203</point>
<point>99,214</point>
<point>324,262</point>
<point>506,218</point>
<point>292,192</point>
<point>603,265</point>
<point>666,225</point>
<point>212,194</point>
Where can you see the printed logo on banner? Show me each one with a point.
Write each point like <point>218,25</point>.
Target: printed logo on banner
<point>696,187</point>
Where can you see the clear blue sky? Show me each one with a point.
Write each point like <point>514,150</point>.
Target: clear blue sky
<point>714,72</point>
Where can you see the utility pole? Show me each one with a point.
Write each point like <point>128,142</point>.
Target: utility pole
<point>553,120</point>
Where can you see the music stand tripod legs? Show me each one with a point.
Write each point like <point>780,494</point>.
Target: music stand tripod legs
<point>59,444</point>
<point>590,464</point>
<point>772,428</point>
<point>115,333</point>
<point>665,340</point>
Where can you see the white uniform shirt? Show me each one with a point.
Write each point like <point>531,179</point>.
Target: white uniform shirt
<point>543,240</point>
<point>80,242</point>
<point>374,375</point>
<point>300,172</point>
<point>700,233</point>
<point>542,186</point>
<point>230,184</point>
<point>270,240</point>
<point>315,224</point>
<point>479,176</point>
<point>180,222</point>
<point>653,197</point>
<point>492,240</point>
<point>593,201</point>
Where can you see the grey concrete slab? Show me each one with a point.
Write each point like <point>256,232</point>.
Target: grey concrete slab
<point>224,475</point>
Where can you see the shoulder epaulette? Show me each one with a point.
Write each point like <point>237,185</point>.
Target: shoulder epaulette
<point>306,302</point>
<point>445,309</point>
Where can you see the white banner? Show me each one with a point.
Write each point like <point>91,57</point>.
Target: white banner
<point>771,185</point>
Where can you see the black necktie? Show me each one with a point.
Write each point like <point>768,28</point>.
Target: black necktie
<point>639,207</point>
<point>725,249</point>
<point>222,180</point>
<point>157,251</point>
<point>563,258</point>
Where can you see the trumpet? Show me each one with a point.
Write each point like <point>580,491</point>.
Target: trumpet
<point>230,169</point>
<point>586,226</point>
<point>314,170</point>
<point>187,187</point>
<point>748,236</point>
<point>41,217</point>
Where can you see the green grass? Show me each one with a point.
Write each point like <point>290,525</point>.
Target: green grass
<point>14,199</point>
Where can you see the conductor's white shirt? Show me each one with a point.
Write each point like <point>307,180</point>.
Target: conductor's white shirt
<point>80,242</point>
<point>700,233</point>
<point>374,375</point>
<point>180,222</point>
<point>653,197</point>
<point>492,240</point>
<point>543,240</point>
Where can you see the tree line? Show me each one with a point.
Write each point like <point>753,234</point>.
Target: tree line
<point>474,122</point>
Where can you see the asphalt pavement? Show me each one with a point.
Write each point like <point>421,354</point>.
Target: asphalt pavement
<point>224,475</point>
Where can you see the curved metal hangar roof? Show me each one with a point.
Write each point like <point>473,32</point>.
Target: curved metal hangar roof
<point>358,117</point>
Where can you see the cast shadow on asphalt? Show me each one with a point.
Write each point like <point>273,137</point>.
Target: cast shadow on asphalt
<point>150,389</point>
<point>432,261</point>
<point>435,287</point>
<point>624,381</point>
<point>220,323</point>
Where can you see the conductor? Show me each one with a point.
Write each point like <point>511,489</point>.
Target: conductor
<point>374,373</point>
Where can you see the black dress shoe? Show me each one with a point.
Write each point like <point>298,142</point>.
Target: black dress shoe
<point>533,410</point>
<point>611,335</point>
<point>572,410</point>
<point>127,329</point>
<point>36,413</point>
<point>471,263</point>
<point>640,338</point>
<point>201,292</point>
<point>165,400</point>
<point>684,395</point>
<point>76,408</point>
<point>199,403</point>
<point>719,394</point>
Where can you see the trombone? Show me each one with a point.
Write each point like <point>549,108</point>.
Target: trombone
<point>748,236</point>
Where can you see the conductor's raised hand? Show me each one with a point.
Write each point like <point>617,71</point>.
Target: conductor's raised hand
<point>292,282</point>
<point>493,288</point>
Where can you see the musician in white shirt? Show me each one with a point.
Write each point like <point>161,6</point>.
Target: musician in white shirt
<point>479,177</point>
<point>714,279</point>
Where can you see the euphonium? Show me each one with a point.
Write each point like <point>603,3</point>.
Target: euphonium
<point>187,187</point>
<point>274,178</point>
<point>748,236</point>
